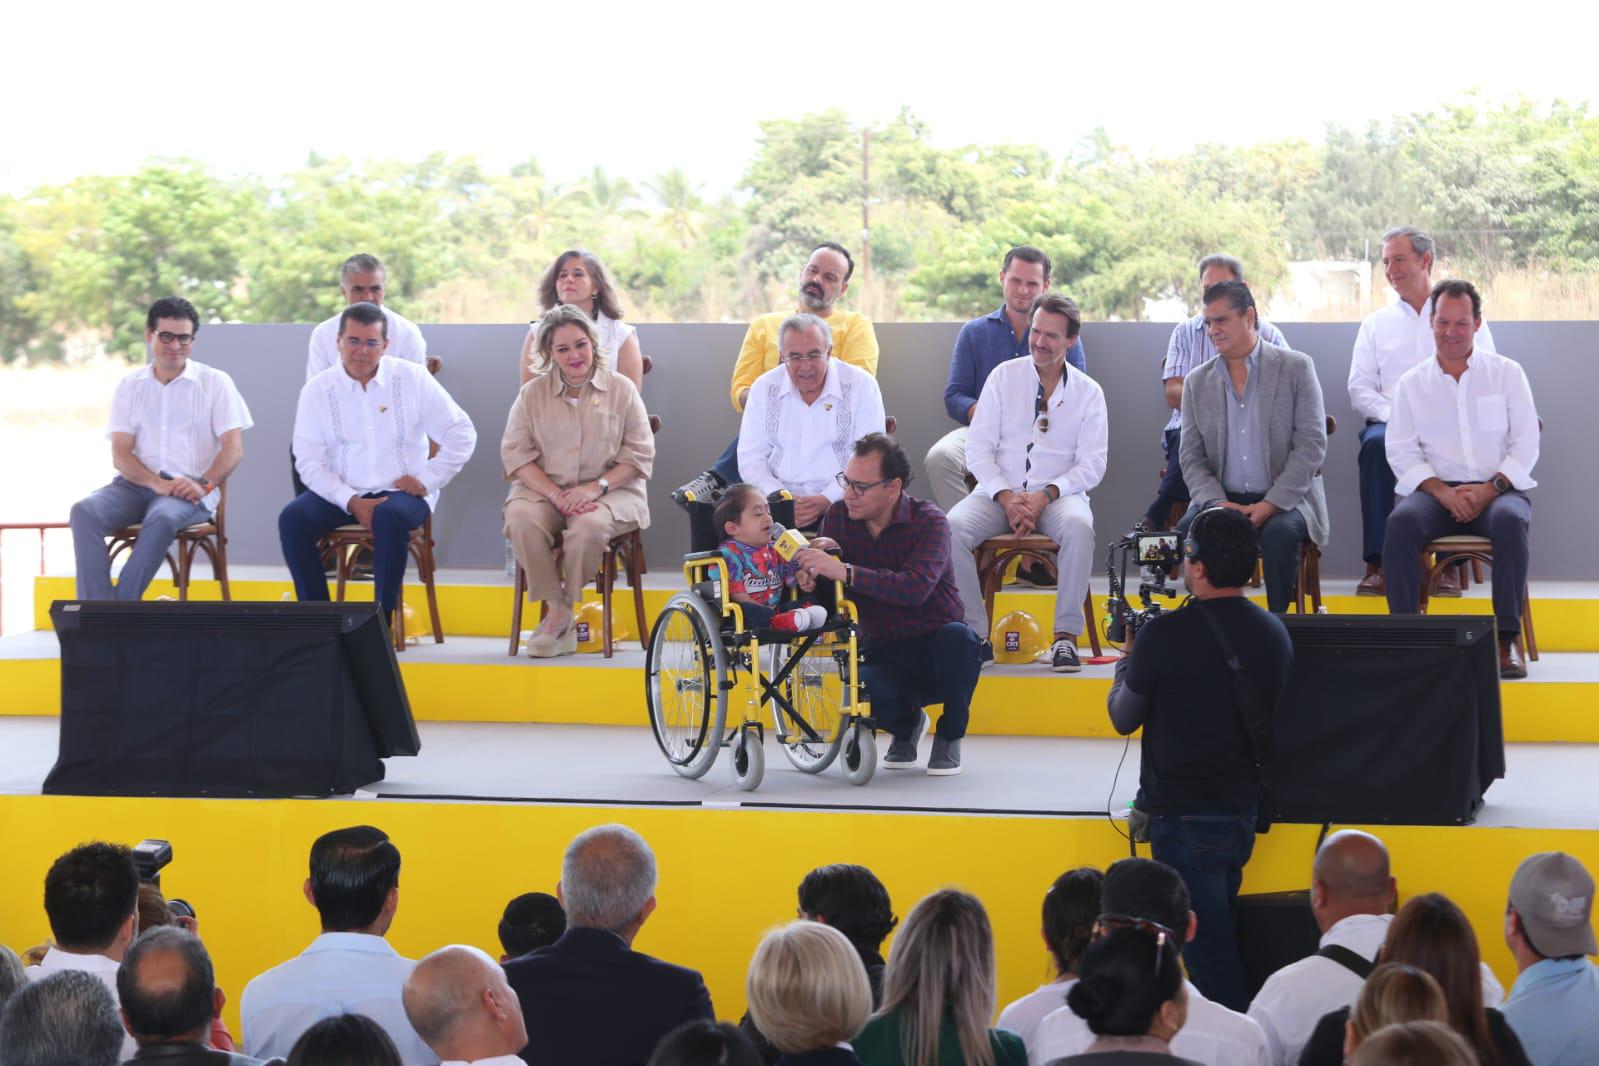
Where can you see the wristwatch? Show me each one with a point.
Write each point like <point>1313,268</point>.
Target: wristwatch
<point>605,486</point>
<point>1501,484</point>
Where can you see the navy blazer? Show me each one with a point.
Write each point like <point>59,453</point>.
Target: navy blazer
<point>590,1000</point>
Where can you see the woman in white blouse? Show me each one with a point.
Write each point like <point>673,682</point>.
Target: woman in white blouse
<point>578,278</point>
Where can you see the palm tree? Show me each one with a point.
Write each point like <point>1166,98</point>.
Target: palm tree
<point>608,195</point>
<point>535,200</point>
<point>682,201</point>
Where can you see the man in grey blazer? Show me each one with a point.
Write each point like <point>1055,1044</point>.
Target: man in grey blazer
<point>1253,438</point>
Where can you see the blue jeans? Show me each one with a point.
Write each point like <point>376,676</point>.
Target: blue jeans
<point>1172,487</point>
<point>903,676</point>
<point>1377,488</point>
<point>1209,851</point>
<point>308,516</point>
<point>119,504</point>
<point>726,465</point>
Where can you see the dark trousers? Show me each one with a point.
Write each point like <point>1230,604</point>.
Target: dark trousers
<point>1377,487</point>
<point>294,473</point>
<point>1280,539</point>
<point>1172,489</point>
<point>903,676</point>
<point>726,465</point>
<point>308,516</point>
<point>1209,851</point>
<point>1419,518</point>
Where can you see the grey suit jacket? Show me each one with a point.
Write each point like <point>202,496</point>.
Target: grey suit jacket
<point>1296,434</point>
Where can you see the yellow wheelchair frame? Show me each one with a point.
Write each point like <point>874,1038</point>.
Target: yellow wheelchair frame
<point>700,656</point>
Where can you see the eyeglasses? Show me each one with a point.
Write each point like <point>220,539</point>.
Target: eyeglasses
<point>859,488</point>
<point>804,357</point>
<point>182,340</point>
<point>1107,923</point>
<point>354,343</point>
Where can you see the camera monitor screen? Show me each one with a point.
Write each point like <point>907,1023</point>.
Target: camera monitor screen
<point>1157,549</point>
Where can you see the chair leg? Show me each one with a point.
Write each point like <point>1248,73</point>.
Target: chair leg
<point>431,585</point>
<point>635,580</point>
<point>399,621</point>
<point>185,560</point>
<point>985,582</point>
<point>607,581</point>
<point>517,595</point>
<point>219,567</point>
<point>1313,578</point>
<point>341,556</point>
<point>1089,623</point>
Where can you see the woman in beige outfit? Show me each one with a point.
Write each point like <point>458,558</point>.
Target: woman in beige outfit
<point>577,450</point>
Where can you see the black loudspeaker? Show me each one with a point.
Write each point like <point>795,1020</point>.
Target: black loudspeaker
<point>226,699</point>
<point>1387,720</point>
<point>1274,930</point>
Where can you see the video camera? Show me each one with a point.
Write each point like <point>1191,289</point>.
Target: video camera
<point>1155,554</point>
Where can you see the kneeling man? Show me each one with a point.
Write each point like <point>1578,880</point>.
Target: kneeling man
<point>1036,446</point>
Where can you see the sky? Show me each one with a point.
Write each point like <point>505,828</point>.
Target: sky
<point>641,87</point>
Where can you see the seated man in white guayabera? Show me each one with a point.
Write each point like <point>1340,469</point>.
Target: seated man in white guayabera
<point>1037,447</point>
<point>177,429</point>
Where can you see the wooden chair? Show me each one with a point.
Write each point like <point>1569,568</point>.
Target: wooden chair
<point>341,545</point>
<point>209,537</point>
<point>1445,552</point>
<point>996,552</point>
<point>1309,561</point>
<point>626,548</point>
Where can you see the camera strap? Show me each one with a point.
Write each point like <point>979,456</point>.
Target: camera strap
<point>1253,712</point>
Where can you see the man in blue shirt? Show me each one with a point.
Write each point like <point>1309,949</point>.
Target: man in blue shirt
<point>1554,1004</point>
<point>983,344</point>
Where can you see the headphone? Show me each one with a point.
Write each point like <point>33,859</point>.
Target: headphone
<point>1194,543</point>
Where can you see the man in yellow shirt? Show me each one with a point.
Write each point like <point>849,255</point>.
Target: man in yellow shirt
<point>824,279</point>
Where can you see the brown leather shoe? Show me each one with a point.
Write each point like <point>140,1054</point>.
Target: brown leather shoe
<point>1448,584</point>
<point>1371,584</point>
<point>1511,665</point>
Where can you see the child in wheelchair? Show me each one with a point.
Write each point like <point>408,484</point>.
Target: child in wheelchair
<point>757,574</point>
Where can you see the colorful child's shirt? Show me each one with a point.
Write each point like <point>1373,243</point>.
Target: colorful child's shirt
<point>760,574</point>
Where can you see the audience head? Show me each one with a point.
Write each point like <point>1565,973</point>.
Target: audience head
<point>170,327</point>
<point>1024,277</point>
<point>1432,934</point>
<point>608,881</point>
<point>942,964</point>
<point>355,880</point>
<point>804,344</point>
<point>1070,907</point>
<point>875,477</point>
<point>825,277</point>
<point>567,341</point>
<point>578,277</point>
<point>807,988</point>
<point>1131,984</point>
<point>1219,267</point>
<point>1414,1044</point>
<point>91,896</point>
<point>363,279</point>
<point>344,1040</point>
<point>705,1043</point>
<point>1407,257</point>
<point>1394,993</point>
<point>1231,318</point>
<point>1349,876</point>
<point>1456,317</point>
<point>460,1004</point>
<point>1550,914</point>
<point>1219,552</point>
<point>12,975</point>
<point>363,338</point>
<point>852,900</point>
<point>68,1017</point>
<point>531,921</point>
<point>743,513</point>
<point>1053,325</point>
<point>168,987</point>
<point>154,910</point>
<point>1153,891</point>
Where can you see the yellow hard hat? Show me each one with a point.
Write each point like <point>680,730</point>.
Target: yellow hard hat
<point>415,625</point>
<point>589,620</point>
<point>1017,638</point>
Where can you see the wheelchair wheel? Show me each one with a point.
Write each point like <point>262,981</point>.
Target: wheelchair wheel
<point>749,760</point>
<point>684,667</point>
<point>860,754</point>
<point>815,689</point>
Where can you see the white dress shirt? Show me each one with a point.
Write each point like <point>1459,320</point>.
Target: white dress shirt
<point>1464,430</point>
<point>1024,1015</point>
<point>405,342</point>
<point>1389,343</point>
<point>340,973</point>
<point>350,440</point>
<point>177,427</point>
<point>1212,1035</point>
<point>785,443</point>
<point>1069,453</point>
<point>57,961</point>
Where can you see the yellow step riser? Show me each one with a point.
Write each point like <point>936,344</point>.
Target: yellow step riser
<point>485,610</point>
<point>1005,705</point>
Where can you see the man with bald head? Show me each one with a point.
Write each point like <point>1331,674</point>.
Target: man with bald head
<point>460,1004</point>
<point>169,996</point>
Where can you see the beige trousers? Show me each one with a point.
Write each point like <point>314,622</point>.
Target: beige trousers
<point>533,525</point>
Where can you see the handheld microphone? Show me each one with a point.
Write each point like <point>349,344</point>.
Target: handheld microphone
<point>788,542</point>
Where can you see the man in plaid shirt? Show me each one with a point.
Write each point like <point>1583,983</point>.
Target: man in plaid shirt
<point>896,567</point>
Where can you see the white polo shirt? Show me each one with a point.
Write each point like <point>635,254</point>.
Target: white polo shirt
<point>1010,445</point>
<point>177,427</point>
<point>405,342</point>
<point>1464,430</point>
<point>1389,343</point>
<point>785,443</point>
<point>1212,1035</point>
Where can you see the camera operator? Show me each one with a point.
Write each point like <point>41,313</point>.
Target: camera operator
<point>1203,682</point>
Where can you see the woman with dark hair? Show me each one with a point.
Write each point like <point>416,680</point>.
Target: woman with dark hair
<point>1433,935</point>
<point>704,1043</point>
<point>1070,907</point>
<point>344,1040</point>
<point>938,992</point>
<point>578,279</point>
<point>1130,991</point>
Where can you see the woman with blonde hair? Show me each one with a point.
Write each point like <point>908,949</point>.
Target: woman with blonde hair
<point>577,450</point>
<point>1395,992</point>
<point>1415,1044</point>
<point>578,279</point>
<point>808,994</point>
<point>939,992</point>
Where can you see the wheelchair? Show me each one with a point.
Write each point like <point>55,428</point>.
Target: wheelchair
<point>701,657</point>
